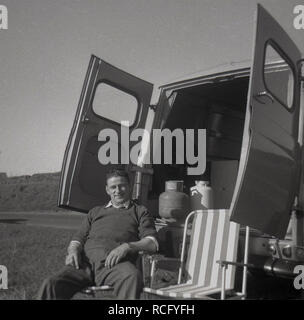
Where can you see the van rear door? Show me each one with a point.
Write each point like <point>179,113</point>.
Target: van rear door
<point>109,96</point>
<point>268,174</point>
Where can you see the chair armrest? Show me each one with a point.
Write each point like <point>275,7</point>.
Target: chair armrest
<point>237,264</point>
<point>93,289</point>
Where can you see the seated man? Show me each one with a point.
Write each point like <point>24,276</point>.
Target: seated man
<point>104,250</point>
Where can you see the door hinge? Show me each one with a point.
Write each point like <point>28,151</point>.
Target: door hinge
<point>153,107</point>
<point>301,69</point>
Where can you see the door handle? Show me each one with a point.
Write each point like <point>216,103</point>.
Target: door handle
<point>263,94</point>
<point>85,120</point>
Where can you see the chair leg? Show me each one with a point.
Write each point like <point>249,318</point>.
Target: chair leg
<point>152,274</point>
<point>244,282</point>
<point>223,289</point>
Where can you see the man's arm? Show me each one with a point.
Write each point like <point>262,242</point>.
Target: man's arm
<point>147,234</point>
<point>145,244</point>
<point>73,257</point>
<point>75,247</point>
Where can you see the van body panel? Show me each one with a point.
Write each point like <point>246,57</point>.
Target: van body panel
<point>82,183</point>
<point>270,159</point>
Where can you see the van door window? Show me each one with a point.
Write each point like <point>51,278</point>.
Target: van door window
<point>278,82</point>
<point>108,96</point>
<point>114,104</point>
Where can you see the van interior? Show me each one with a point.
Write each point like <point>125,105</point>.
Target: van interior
<point>220,108</point>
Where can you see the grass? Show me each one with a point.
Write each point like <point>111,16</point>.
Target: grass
<point>28,197</point>
<point>30,255</point>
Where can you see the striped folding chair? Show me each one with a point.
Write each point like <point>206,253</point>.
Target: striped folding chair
<point>208,258</point>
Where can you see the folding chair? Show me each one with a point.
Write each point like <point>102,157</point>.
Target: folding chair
<point>208,259</point>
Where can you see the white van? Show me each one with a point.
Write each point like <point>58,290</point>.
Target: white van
<point>254,124</point>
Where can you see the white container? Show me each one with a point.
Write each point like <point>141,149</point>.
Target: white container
<point>201,196</point>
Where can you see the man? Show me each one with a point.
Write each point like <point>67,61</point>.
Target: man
<point>104,250</point>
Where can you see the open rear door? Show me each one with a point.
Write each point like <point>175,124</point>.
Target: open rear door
<point>269,166</point>
<point>108,97</point>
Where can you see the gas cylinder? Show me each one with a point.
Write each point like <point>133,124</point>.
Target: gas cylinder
<point>201,196</point>
<point>174,203</point>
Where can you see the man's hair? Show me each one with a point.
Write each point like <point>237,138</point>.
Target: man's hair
<point>117,173</point>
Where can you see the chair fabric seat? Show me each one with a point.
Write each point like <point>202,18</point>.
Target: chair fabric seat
<point>213,238</point>
<point>178,291</point>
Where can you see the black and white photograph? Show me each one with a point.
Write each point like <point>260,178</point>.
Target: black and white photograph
<point>151,151</point>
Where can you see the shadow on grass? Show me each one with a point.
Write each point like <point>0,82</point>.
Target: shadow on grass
<point>15,221</point>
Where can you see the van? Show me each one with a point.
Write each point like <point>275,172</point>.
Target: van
<point>253,116</point>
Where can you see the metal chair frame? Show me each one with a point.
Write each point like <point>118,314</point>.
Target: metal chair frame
<point>183,261</point>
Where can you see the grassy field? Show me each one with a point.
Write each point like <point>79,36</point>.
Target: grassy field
<point>33,253</point>
<point>30,254</point>
<point>28,193</point>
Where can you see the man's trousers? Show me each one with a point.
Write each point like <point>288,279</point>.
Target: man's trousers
<point>124,277</point>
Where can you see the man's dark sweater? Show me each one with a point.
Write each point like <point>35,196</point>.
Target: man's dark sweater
<point>106,228</point>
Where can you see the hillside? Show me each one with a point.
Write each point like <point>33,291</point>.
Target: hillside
<point>29,193</point>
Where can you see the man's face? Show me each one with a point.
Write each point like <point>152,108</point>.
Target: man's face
<point>118,189</point>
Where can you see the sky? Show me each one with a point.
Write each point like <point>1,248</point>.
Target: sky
<point>45,51</point>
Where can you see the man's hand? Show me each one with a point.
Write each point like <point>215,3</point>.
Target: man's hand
<point>73,259</point>
<point>74,255</point>
<point>117,254</point>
